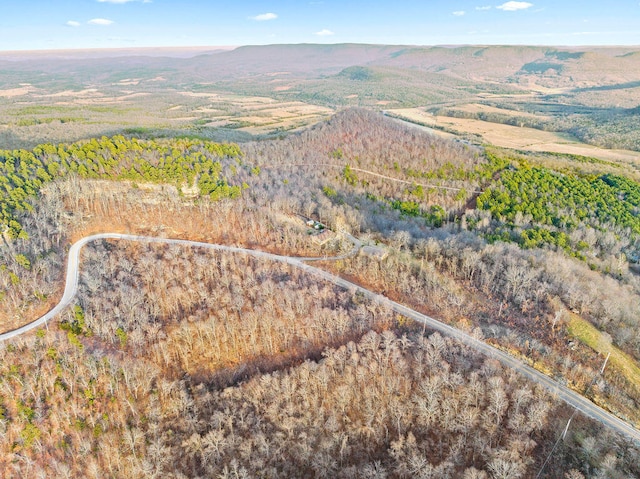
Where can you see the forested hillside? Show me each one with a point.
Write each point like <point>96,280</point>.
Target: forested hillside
<point>181,163</point>
<point>177,384</point>
<point>595,214</point>
<point>181,362</point>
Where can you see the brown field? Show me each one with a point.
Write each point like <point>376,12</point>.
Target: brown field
<point>519,138</point>
<point>13,92</point>
<point>257,115</point>
<point>32,116</point>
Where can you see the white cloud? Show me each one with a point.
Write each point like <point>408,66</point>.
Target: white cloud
<point>73,23</point>
<point>263,17</point>
<point>100,21</point>
<point>458,13</point>
<point>513,6</point>
<point>324,33</point>
<point>485,7</point>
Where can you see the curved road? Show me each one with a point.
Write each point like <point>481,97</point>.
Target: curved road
<point>572,398</point>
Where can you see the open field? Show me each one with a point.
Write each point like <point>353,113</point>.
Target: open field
<point>519,138</point>
<point>255,115</point>
<point>523,138</point>
<point>31,116</point>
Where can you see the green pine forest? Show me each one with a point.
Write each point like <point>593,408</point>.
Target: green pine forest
<point>180,162</point>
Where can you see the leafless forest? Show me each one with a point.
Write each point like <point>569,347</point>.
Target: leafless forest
<point>233,367</point>
<point>178,362</point>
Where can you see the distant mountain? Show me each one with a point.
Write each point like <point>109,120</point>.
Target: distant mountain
<point>585,67</point>
<point>302,59</point>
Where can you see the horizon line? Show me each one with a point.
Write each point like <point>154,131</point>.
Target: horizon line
<point>234,47</point>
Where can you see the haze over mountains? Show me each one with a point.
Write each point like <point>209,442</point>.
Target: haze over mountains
<point>590,95</point>
<point>585,67</point>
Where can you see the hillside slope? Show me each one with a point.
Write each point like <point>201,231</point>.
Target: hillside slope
<point>182,362</point>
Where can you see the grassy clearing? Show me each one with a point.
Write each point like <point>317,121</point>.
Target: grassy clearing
<point>588,334</point>
<point>534,140</point>
<point>516,137</point>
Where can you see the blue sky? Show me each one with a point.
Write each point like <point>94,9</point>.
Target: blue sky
<point>62,24</point>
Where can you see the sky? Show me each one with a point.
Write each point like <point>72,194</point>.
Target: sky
<point>79,24</point>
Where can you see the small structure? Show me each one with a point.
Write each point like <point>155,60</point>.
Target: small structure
<point>311,223</point>
<point>319,233</point>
